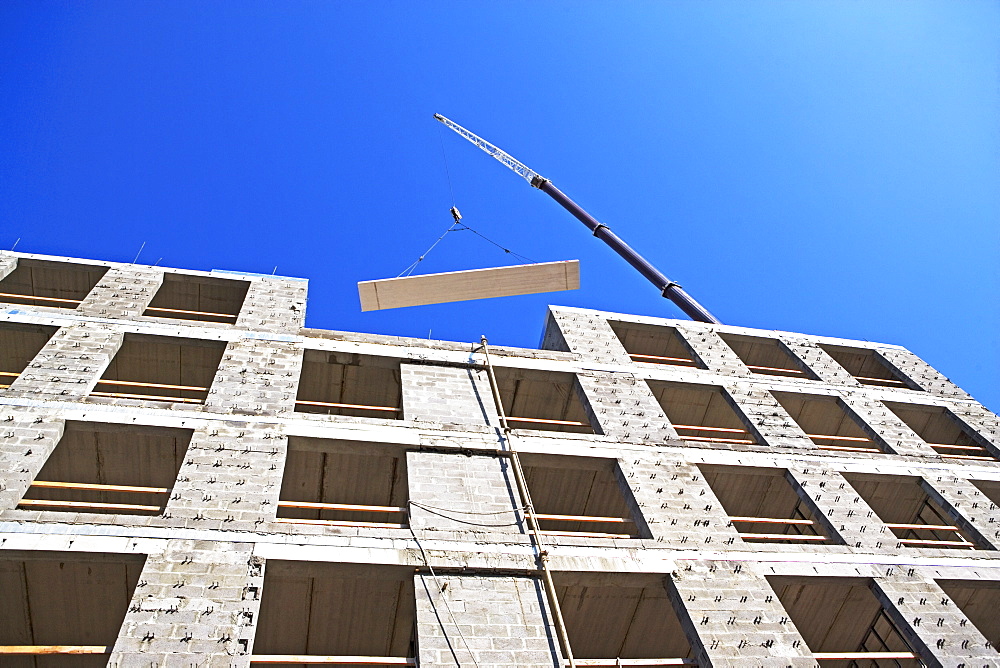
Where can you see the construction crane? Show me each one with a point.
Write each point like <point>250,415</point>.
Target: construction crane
<point>667,288</point>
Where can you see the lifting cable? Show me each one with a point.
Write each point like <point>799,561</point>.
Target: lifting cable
<point>542,555</point>
<point>457,226</point>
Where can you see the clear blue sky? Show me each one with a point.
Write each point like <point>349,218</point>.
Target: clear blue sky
<point>822,167</point>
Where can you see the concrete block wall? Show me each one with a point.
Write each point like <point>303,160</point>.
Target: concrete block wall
<point>735,617</point>
<point>27,438</point>
<point>123,292</point>
<point>256,377</point>
<point>930,621</point>
<point>198,598</point>
<point>622,407</point>
<point>484,620</point>
<point>883,425</point>
<point>469,493</point>
<point>70,364</point>
<point>196,604</point>
<point>448,395</point>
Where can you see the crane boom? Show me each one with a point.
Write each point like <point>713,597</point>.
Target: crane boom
<point>667,288</point>
<point>518,167</point>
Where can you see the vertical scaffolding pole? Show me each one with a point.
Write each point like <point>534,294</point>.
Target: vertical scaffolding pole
<point>542,555</point>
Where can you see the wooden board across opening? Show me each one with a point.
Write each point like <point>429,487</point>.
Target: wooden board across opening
<point>457,286</point>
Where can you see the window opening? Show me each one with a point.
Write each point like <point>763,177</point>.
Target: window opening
<point>943,431</point>
<point>350,384</point>
<point>201,298</point>
<point>580,496</point>
<point>867,367</point>
<point>158,368</point>
<point>19,344</point>
<point>343,484</point>
<point>111,469</point>
<point>331,613</point>
<point>828,423</point>
<point>542,400</point>
<point>766,357</point>
<point>63,609</point>
<point>763,506</point>
<point>843,622</point>
<point>46,283</point>
<point>701,413</point>
<point>904,506</point>
<point>655,344</point>
<point>621,619</point>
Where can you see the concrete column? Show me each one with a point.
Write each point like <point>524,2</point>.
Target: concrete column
<point>879,421</point>
<point>967,507</point>
<point>475,493</point>
<point>272,304</point>
<point>70,364</point>
<point>586,334</point>
<point>818,361</point>
<point>623,407</point>
<point>256,377</point>
<point>832,498</point>
<point>123,292</point>
<point>448,395</point>
<point>677,504</point>
<point>8,263</point>
<point>931,622</point>
<point>733,618</point>
<point>485,620</point>
<point>922,374</point>
<point>230,478</point>
<point>27,438</point>
<point>714,352</point>
<point>768,417</point>
<point>195,605</point>
<point>981,420</point>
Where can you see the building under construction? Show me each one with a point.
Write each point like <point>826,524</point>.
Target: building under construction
<point>191,478</point>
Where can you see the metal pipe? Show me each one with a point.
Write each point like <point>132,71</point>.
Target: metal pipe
<point>521,483</point>
<point>667,288</point>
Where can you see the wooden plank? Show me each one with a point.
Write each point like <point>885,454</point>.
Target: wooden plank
<point>457,286</point>
<point>358,406</point>
<point>54,649</point>
<point>84,505</point>
<point>611,663</point>
<point>338,523</point>
<point>930,527</point>
<point>780,536</point>
<point>340,506</point>
<point>846,656</point>
<point>333,660</point>
<point>584,518</point>
<point>585,534</point>
<point>43,299</point>
<point>571,423</point>
<point>768,520</point>
<point>96,487</point>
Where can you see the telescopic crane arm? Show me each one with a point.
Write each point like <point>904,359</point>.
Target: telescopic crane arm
<point>667,288</point>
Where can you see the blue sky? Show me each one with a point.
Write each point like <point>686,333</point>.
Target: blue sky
<point>823,167</point>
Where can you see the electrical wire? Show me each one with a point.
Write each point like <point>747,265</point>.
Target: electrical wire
<point>460,521</point>
<point>468,512</point>
<point>447,605</point>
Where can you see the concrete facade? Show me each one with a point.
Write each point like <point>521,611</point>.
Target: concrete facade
<point>416,507</point>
